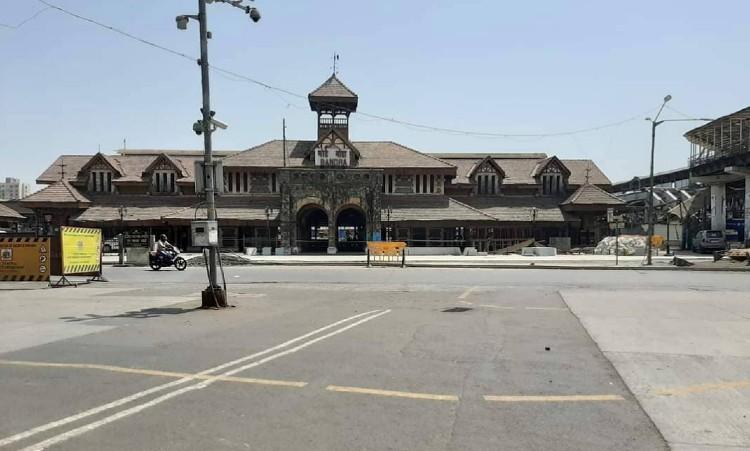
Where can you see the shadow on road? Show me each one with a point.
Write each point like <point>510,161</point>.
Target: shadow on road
<point>139,314</point>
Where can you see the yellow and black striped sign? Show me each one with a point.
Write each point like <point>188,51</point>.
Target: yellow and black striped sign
<point>24,259</point>
<point>81,250</point>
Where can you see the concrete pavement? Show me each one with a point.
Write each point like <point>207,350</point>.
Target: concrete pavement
<point>381,358</point>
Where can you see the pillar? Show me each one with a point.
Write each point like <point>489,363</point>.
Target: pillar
<point>718,207</point>
<point>747,210</point>
<point>332,233</point>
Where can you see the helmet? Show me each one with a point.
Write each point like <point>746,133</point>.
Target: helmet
<point>162,237</point>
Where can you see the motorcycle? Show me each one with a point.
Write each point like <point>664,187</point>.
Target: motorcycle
<point>158,260</point>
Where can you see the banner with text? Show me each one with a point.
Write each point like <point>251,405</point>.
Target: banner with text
<point>81,250</point>
<point>24,259</point>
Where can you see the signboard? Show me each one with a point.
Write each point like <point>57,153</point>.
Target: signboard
<point>386,248</point>
<point>610,214</point>
<point>24,259</point>
<point>81,250</point>
<point>135,241</point>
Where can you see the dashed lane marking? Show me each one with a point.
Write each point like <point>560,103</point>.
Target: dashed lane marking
<point>391,393</point>
<point>159,373</point>
<point>569,398</point>
<point>128,399</point>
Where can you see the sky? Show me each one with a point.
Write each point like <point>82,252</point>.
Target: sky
<point>70,87</point>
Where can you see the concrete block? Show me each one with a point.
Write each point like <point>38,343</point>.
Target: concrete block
<point>470,251</point>
<point>138,256</point>
<point>267,251</point>
<point>433,250</point>
<point>251,251</point>
<point>332,250</point>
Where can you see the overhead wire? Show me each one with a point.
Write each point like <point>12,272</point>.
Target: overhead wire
<point>25,21</point>
<point>393,120</point>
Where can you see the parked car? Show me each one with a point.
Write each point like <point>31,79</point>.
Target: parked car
<point>110,245</point>
<point>709,240</point>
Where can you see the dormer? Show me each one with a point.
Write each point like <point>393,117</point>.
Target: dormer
<point>333,150</point>
<point>162,175</point>
<point>98,173</point>
<point>487,177</point>
<point>552,176</point>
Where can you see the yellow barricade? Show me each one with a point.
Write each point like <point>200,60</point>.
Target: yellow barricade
<point>24,259</point>
<point>657,241</point>
<point>386,252</point>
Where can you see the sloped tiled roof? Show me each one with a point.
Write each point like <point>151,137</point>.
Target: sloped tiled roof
<point>131,164</point>
<point>373,154</point>
<point>60,192</point>
<point>9,213</point>
<point>333,88</point>
<point>589,194</point>
<point>431,208</point>
<point>245,208</point>
<point>520,170</point>
<point>517,208</point>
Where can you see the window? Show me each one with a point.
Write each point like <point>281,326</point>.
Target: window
<point>488,184</point>
<point>552,183</point>
<point>388,185</point>
<point>163,182</point>
<point>244,182</point>
<point>273,184</point>
<point>426,183</point>
<point>100,181</point>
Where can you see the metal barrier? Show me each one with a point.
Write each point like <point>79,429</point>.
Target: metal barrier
<point>386,252</point>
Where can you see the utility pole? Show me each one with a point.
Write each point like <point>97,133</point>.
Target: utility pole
<point>283,134</point>
<point>213,295</point>
<point>655,122</point>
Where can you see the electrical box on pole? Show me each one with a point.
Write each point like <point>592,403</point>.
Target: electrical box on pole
<point>205,233</point>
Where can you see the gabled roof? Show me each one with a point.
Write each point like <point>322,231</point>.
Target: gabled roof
<point>543,164</point>
<point>107,160</point>
<point>517,208</point>
<point>333,88</point>
<point>589,194</point>
<point>9,213</point>
<point>176,164</point>
<point>60,192</point>
<point>373,154</point>
<point>343,138</point>
<point>491,161</point>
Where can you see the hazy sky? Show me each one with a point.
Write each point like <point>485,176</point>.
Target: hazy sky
<point>67,86</point>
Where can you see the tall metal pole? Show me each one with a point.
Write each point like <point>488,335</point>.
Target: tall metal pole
<point>208,157</point>
<point>650,210</point>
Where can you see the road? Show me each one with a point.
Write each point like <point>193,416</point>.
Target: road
<point>350,358</point>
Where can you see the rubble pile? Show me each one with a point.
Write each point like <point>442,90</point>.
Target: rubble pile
<point>628,245</point>
<point>226,260</point>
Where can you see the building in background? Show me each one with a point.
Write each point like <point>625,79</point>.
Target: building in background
<point>332,193</point>
<point>13,189</point>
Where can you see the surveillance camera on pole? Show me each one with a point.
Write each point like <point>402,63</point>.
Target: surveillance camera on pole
<point>213,296</point>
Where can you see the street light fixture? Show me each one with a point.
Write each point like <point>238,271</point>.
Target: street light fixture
<point>213,295</point>
<point>655,122</point>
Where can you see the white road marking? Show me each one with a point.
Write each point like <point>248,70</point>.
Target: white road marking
<point>499,307</point>
<point>468,291</point>
<point>111,405</point>
<point>132,410</point>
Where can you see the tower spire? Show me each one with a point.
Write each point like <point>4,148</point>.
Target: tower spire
<point>335,63</point>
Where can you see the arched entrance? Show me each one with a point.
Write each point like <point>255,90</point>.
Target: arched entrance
<point>351,230</point>
<point>312,232</point>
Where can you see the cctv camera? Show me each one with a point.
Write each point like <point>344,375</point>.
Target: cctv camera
<point>254,14</point>
<point>198,127</point>
<point>181,22</point>
<point>219,124</point>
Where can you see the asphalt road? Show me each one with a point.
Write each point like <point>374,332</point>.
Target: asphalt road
<point>324,359</point>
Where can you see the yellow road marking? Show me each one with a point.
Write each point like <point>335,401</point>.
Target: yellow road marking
<point>391,393</point>
<point>703,388</point>
<point>159,373</point>
<point>568,398</point>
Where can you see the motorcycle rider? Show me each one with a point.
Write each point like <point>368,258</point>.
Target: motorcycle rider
<point>163,247</point>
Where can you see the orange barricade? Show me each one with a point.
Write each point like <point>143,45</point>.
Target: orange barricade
<point>386,252</point>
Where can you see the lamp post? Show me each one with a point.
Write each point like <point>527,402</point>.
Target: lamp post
<point>533,223</point>
<point>388,228</point>
<point>655,122</point>
<point>269,211</point>
<point>123,210</point>
<point>213,294</point>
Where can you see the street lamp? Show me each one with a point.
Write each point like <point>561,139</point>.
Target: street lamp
<point>213,295</point>
<point>123,210</point>
<point>388,228</point>
<point>655,122</point>
<point>269,212</point>
<point>533,223</point>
